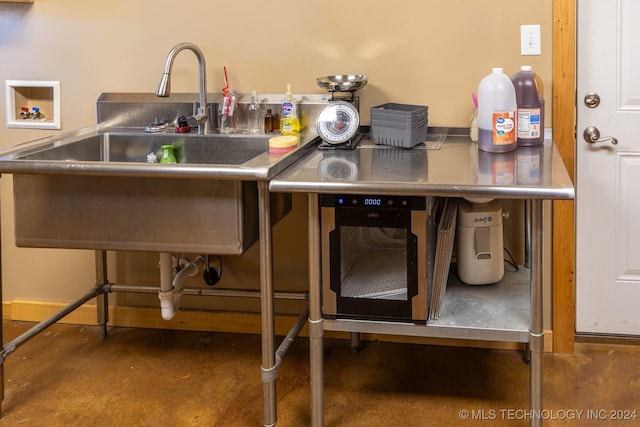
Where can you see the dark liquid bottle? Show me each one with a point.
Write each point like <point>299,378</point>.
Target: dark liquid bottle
<point>268,121</point>
<point>529,95</point>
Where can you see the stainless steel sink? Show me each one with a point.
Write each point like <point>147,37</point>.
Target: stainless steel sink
<point>92,188</point>
<point>134,147</point>
<point>98,150</point>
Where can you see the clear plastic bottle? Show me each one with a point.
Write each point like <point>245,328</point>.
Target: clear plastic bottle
<point>497,108</point>
<point>253,114</point>
<point>530,99</point>
<point>226,118</point>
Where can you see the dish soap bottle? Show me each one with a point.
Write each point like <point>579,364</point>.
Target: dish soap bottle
<point>289,122</point>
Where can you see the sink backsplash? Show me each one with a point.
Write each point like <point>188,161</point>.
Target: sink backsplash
<point>137,110</point>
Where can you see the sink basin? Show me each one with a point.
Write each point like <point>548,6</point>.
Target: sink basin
<point>107,151</point>
<point>134,147</point>
<point>93,189</point>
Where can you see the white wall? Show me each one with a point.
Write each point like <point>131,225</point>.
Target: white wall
<point>422,52</point>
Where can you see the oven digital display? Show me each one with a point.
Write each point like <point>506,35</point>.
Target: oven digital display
<point>362,201</point>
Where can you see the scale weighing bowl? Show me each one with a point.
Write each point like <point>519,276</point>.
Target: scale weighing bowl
<point>342,82</point>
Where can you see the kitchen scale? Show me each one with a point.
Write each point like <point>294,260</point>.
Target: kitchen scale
<point>339,121</point>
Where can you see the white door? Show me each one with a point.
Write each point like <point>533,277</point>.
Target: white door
<point>608,175</point>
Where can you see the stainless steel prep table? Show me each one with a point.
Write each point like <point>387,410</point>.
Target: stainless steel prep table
<point>259,169</point>
<point>456,169</point>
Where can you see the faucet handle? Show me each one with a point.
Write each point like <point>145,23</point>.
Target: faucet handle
<point>156,126</point>
<point>183,125</point>
<point>197,119</point>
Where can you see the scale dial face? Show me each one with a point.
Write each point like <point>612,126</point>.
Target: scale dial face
<point>338,122</point>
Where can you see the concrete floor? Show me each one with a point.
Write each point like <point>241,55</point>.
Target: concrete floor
<point>140,377</point>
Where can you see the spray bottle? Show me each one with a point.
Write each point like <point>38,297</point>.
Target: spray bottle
<point>289,122</point>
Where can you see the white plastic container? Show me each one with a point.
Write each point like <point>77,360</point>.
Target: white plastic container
<point>497,109</point>
<point>480,243</point>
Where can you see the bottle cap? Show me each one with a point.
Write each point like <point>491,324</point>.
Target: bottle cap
<point>497,70</point>
<point>526,68</point>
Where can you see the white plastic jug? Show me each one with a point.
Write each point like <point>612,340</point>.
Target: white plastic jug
<point>497,109</point>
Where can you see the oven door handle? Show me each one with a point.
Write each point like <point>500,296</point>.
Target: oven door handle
<point>412,265</point>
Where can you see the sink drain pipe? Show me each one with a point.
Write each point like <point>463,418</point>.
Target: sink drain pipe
<point>171,287</point>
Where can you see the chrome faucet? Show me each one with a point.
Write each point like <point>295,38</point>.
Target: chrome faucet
<point>200,118</point>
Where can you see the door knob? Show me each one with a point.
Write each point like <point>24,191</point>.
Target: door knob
<point>592,135</point>
<point>592,100</point>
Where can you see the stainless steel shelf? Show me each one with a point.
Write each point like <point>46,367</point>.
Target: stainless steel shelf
<point>509,311</point>
<point>457,169</point>
<point>498,312</point>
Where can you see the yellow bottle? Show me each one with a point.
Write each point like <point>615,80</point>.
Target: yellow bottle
<point>289,121</point>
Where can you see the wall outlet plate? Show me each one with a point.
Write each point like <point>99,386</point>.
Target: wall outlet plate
<point>530,40</point>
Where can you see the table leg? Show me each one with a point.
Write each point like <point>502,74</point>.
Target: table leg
<point>536,344</point>
<point>102,300</point>
<point>315,316</point>
<point>1,336</point>
<point>267,306</point>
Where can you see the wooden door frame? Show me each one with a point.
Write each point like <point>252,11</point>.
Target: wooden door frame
<point>564,135</point>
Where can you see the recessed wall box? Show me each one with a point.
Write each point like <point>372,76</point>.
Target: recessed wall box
<point>33,104</point>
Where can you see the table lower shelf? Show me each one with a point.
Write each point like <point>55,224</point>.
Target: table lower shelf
<point>498,312</point>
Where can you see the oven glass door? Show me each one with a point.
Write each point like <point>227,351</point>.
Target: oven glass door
<point>374,263</point>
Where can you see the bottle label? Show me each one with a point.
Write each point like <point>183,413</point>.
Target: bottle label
<point>227,106</point>
<point>287,109</point>
<point>504,128</point>
<point>529,123</point>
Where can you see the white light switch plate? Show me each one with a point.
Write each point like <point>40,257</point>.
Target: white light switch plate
<point>530,40</point>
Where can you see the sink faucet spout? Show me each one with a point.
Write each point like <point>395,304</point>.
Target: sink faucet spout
<point>164,86</point>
